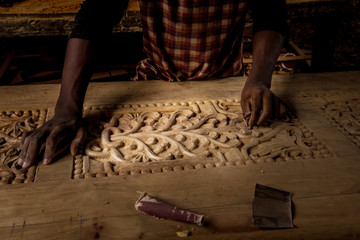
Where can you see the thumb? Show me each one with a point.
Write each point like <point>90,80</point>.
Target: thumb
<point>78,142</point>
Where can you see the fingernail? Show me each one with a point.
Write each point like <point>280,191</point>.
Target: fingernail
<point>46,161</point>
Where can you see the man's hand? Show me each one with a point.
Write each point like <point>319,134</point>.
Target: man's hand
<point>257,99</point>
<point>51,134</point>
<point>67,122</point>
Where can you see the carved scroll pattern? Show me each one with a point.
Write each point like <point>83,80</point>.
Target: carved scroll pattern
<point>342,110</point>
<point>175,136</point>
<point>13,124</point>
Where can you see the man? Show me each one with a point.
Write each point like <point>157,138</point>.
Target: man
<point>184,40</point>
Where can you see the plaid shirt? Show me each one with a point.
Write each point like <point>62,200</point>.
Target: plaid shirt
<point>183,39</point>
<point>191,40</point>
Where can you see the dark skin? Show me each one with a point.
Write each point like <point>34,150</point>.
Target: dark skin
<point>256,97</point>
<point>68,110</point>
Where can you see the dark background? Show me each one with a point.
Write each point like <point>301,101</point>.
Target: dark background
<point>328,31</point>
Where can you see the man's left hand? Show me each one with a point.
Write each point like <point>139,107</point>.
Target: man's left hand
<point>257,99</point>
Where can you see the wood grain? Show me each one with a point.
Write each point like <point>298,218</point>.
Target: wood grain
<point>325,190</point>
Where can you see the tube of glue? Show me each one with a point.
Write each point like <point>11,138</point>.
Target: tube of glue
<point>156,208</point>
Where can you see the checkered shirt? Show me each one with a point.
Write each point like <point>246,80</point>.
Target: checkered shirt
<point>191,40</point>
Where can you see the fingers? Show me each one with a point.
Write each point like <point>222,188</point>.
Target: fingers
<point>23,148</point>
<point>24,136</point>
<point>78,142</point>
<point>276,107</point>
<point>54,132</point>
<point>30,149</point>
<point>52,141</point>
<point>245,105</point>
<point>282,110</point>
<point>32,153</point>
<point>262,105</point>
<point>255,110</point>
<point>266,108</point>
<point>23,151</point>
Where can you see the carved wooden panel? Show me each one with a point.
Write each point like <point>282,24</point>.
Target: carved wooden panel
<point>173,136</point>
<point>12,126</point>
<point>341,109</point>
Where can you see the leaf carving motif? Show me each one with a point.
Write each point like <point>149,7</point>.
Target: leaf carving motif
<point>157,136</point>
<point>183,135</point>
<point>12,126</point>
<point>342,110</point>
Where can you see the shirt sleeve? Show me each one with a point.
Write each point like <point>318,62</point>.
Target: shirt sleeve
<point>96,18</point>
<point>269,15</point>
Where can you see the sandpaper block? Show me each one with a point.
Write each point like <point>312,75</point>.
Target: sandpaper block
<point>271,208</point>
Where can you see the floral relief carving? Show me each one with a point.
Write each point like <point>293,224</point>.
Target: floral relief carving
<point>13,124</point>
<point>342,110</point>
<point>174,136</point>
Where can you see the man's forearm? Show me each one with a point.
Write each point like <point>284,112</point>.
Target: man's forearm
<point>256,97</point>
<point>266,49</point>
<point>76,76</point>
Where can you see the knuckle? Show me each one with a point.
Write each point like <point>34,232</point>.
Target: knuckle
<point>50,142</point>
<point>34,138</point>
<point>26,134</point>
<point>56,128</point>
<point>21,155</point>
<point>25,137</point>
<point>266,113</point>
<point>83,131</point>
<point>23,147</point>
<point>258,91</point>
<point>76,141</point>
<point>267,94</point>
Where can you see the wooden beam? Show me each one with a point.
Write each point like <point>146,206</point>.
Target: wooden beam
<point>8,57</point>
<point>282,59</point>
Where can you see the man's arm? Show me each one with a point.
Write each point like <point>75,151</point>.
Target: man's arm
<point>269,30</point>
<point>94,21</point>
<point>68,110</point>
<point>256,96</point>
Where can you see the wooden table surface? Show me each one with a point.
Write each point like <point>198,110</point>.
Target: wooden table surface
<point>325,187</point>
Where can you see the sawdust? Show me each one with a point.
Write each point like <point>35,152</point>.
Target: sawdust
<point>183,233</point>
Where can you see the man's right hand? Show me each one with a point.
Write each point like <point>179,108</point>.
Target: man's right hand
<point>66,125</point>
<point>51,134</point>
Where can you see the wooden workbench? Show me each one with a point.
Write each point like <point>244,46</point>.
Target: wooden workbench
<point>78,198</point>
